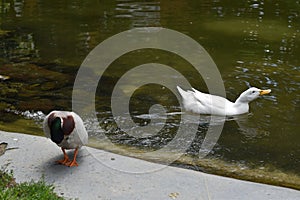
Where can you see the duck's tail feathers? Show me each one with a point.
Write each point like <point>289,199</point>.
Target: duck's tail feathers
<point>185,94</point>
<point>195,90</point>
<point>181,91</point>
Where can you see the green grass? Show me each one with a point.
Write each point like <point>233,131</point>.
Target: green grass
<point>10,190</point>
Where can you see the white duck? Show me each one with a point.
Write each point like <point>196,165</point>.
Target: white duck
<point>202,103</point>
<point>67,130</point>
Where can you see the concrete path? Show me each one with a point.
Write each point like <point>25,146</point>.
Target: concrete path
<point>103,175</point>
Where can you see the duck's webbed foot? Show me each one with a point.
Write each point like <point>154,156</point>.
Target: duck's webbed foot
<point>73,162</point>
<point>65,160</point>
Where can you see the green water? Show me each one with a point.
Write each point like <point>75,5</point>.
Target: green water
<point>43,43</point>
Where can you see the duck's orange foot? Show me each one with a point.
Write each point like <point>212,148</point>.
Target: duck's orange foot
<point>72,163</point>
<point>64,161</point>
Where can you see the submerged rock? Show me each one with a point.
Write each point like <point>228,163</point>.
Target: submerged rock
<point>31,87</point>
<point>30,73</point>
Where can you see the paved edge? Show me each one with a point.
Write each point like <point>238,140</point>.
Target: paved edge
<point>99,176</point>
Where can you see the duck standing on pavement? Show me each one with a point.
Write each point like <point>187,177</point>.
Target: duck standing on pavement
<point>67,130</point>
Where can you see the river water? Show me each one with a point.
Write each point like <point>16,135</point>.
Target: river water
<point>253,43</point>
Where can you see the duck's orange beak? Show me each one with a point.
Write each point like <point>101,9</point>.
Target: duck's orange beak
<point>262,92</point>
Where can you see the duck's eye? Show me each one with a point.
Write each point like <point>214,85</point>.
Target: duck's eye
<point>253,92</point>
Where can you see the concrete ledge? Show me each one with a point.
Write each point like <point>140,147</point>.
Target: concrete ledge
<point>97,178</point>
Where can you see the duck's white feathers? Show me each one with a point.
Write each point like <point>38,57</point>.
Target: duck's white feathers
<point>202,103</point>
<point>199,102</point>
<point>77,138</point>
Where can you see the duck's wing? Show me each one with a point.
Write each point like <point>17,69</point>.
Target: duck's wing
<point>211,104</point>
<point>80,130</point>
<point>190,103</point>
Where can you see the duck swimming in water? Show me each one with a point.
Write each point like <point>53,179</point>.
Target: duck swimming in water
<point>202,103</point>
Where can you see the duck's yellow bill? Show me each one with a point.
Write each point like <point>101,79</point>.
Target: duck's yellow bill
<point>262,92</point>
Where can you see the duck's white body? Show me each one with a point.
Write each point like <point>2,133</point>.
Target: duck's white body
<point>202,103</point>
<point>70,132</point>
<point>77,137</point>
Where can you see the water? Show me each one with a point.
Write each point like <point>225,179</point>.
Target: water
<point>253,43</point>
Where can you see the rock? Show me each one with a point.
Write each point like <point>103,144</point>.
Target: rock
<point>3,146</point>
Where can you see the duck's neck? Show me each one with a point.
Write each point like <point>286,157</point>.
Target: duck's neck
<point>241,105</point>
<point>241,100</point>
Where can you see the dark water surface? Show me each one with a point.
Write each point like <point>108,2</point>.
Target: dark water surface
<point>43,43</point>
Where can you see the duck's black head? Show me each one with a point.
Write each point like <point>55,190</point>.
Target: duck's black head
<point>57,134</point>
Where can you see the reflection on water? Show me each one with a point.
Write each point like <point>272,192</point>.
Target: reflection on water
<point>254,43</point>
<point>20,48</point>
<point>141,14</point>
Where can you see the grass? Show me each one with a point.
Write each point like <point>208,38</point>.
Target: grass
<point>10,190</point>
